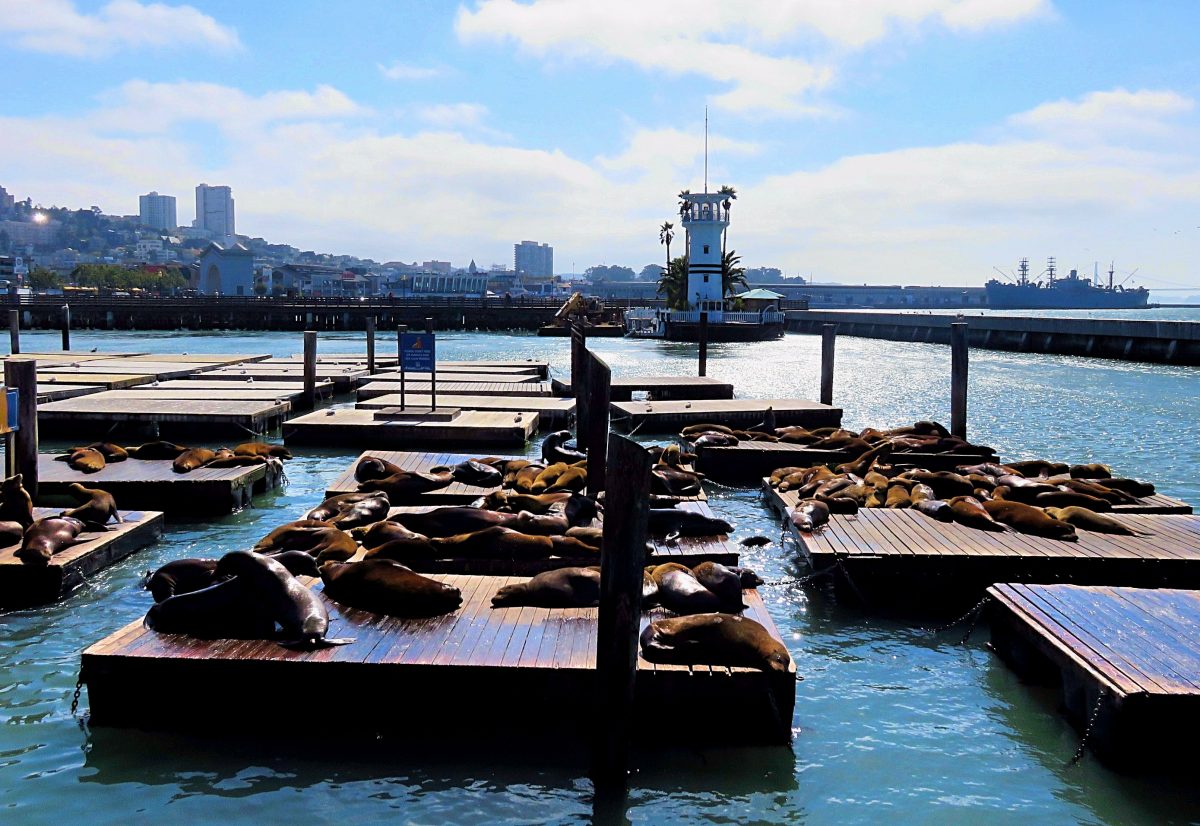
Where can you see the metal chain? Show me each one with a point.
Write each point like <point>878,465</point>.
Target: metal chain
<point>75,697</point>
<point>800,580</point>
<point>1091,724</point>
<point>972,614</point>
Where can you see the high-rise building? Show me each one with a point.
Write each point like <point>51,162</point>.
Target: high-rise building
<point>532,258</point>
<point>6,201</point>
<point>157,211</point>
<point>214,211</point>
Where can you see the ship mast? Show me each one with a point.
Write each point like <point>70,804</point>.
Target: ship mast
<point>1023,272</point>
<point>1050,265</point>
<point>1111,268</point>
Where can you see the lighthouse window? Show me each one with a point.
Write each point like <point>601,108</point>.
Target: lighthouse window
<point>706,249</point>
<point>706,279</point>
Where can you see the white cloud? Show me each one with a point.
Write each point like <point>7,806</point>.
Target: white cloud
<point>1098,115</point>
<point>404,71</point>
<point>58,27</point>
<point>751,46</point>
<point>453,115</point>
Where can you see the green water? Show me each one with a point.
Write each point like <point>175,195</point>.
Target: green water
<point>891,723</point>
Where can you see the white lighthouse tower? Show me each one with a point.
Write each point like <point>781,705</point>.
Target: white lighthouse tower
<point>705,217</point>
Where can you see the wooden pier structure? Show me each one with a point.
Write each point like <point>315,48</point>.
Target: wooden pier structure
<point>1126,660</point>
<point>386,384</point>
<point>390,429</point>
<point>553,412</point>
<point>667,416</point>
<point>153,485</point>
<point>24,586</point>
<point>129,412</point>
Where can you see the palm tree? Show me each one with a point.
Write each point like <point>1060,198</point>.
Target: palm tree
<point>674,282</point>
<point>664,237</point>
<point>732,275</point>
<point>730,196</point>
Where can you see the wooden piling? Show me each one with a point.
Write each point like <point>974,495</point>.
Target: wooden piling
<point>703,344</point>
<point>599,378</point>
<point>828,342</point>
<point>309,399</point>
<point>371,344</point>
<point>579,385</point>
<point>401,329</point>
<point>21,373</point>
<point>621,561</point>
<point>958,379</point>
<point>66,327</point>
<point>14,331</point>
<point>432,368</point>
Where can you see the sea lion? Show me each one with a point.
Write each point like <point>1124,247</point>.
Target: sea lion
<point>694,429</point>
<point>321,540</point>
<point>726,583</point>
<point>503,500</point>
<point>182,576</point>
<point>1099,490</point>
<point>840,503</point>
<point>681,592</point>
<point>15,502</point>
<point>349,510</point>
<point>299,612</point>
<point>920,493</point>
<point>898,497</point>
<point>935,508</point>
<point>674,482</point>
<point>1038,467</point>
<point>796,435</point>
<point>157,450</point>
<point>554,449</point>
<point>475,474</point>
<point>944,483</point>
<point>86,460</point>
<point>1133,487</point>
<point>406,485</point>
<point>262,449</point>
<point>192,458</point>
<point>1028,519</point>
<point>523,479</point>
<point>714,639</point>
<point>574,479</point>
<point>385,530</point>
<point>111,452</point>
<point>1094,470</point>
<point>586,533</point>
<point>386,587</point>
<point>1068,498</point>
<point>755,541</point>
<point>372,467</point>
<point>969,511</point>
<point>548,476</point>
<point>96,507</point>
<point>10,533</point>
<point>494,542</point>
<point>809,514</point>
<point>677,521</point>
<point>229,608</point>
<point>46,537</point>
<point>714,440</point>
<point>866,460</point>
<point>1089,520</point>
<point>560,588</point>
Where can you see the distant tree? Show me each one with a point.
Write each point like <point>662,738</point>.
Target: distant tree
<point>43,279</point>
<point>600,272</point>
<point>664,237</point>
<point>732,276</point>
<point>673,284</point>
<point>650,272</point>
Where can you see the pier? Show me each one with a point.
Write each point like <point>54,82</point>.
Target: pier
<point>383,384</point>
<point>553,412</point>
<point>668,416</point>
<point>748,462</point>
<point>85,415</point>
<point>393,429</point>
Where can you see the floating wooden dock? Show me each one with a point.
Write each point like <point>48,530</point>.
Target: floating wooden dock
<point>343,378</point>
<point>377,385</point>
<point>664,417</point>
<point>152,484</point>
<point>129,412</point>
<point>907,559</point>
<point>750,461</point>
<point>456,378</point>
<point>347,426</point>
<point>1127,661</point>
<point>552,412</point>
<point>455,493</point>
<point>665,388</point>
<point>106,380</point>
<point>187,388</point>
<point>55,392</point>
<point>538,667</point>
<point>542,368</point>
<point>23,586</point>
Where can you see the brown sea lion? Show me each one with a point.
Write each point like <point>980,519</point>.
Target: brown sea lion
<point>46,537</point>
<point>385,530</point>
<point>726,583</point>
<point>1067,498</point>
<point>674,482</point>
<point>15,502</point>
<point>1038,467</point>
<point>945,484</point>
<point>1100,491</point>
<point>1133,487</point>
<point>1094,470</point>
<point>809,515</point>
<point>494,542</point>
<point>386,587</point>
<point>574,480</point>
<point>560,588</point>
<point>796,435</point>
<point>694,429</point>
<point>523,479</point>
<point>778,474</point>
<point>969,511</point>
<point>554,449</point>
<point>11,533</point>
<point>714,440</point>
<point>470,472</point>
<point>866,460</point>
<point>548,476</point>
<point>321,540</point>
<point>86,460</point>
<point>191,459</point>
<point>1089,520</point>
<point>349,510</point>
<point>1028,519</point>
<point>898,497</point>
<point>157,450</point>
<point>714,639</point>
<point>181,576</point>
<point>96,507</point>
<point>681,592</point>
<point>372,467</point>
<point>585,533</point>
<point>509,502</point>
<point>920,493</point>
<point>112,452</point>
<point>262,449</point>
<point>406,485</point>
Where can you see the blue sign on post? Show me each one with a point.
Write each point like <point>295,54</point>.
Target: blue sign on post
<point>416,350</point>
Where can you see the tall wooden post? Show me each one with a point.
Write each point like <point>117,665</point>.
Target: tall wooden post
<point>21,373</point>
<point>703,344</point>
<point>579,386</point>
<point>598,378</point>
<point>14,331</point>
<point>371,345</point>
<point>310,369</point>
<point>958,379</point>
<point>432,368</point>
<point>622,557</point>
<point>828,339</point>
<point>66,326</point>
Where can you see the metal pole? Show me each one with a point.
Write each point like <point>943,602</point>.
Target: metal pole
<point>828,340</point>
<point>66,327</point>
<point>958,379</point>
<point>21,373</point>
<point>14,331</point>
<point>703,343</point>
<point>310,369</point>
<point>432,368</point>
<point>371,345</point>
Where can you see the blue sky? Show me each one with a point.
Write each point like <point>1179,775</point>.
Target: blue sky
<point>882,141</point>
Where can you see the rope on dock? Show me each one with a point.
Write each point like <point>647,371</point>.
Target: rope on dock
<point>972,615</point>
<point>1091,724</point>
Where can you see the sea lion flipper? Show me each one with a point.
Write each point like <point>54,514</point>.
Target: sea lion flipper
<point>309,643</point>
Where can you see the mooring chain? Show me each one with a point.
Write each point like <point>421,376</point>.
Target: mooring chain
<point>1091,724</point>
<point>75,697</point>
<point>972,615</point>
<point>800,580</point>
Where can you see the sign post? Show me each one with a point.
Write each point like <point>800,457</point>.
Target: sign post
<point>401,329</point>
<point>417,355</point>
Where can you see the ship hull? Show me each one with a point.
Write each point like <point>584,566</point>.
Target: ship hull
<point>1012,297</point>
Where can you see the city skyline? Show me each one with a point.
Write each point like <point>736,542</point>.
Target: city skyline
<point>859,143</point>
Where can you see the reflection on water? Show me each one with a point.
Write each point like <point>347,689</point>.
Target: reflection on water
<point>891,723</point>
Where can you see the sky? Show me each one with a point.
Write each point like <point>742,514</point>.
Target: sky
<point>870,141</point>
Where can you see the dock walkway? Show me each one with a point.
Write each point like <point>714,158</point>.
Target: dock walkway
<point>666,416</point>
<point>77,417</point>
<point>553,412</point>
<point>349,426</point>
<point>385,384</point>
<point>665,388</point>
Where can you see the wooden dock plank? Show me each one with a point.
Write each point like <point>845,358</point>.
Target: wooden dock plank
<point>553,411</point>
<point>347,426</point>
<point>78,416</point>
<point>667,416</point>
<point>373,386</point>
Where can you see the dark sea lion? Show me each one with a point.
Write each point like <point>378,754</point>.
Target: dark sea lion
<point>192,458</point>
<point>229,608</point>
<point>1089,520</point>
<point>10,533</point>
<point>748,576</point>
<point>157,450</point>
<point>866,460</point>
<point>406,485</point>
<point>299,612</point>
<point>509,502</point>
<point>46,537</point>
<point>1038,467</point>
<point>182,576</point>
<point>472,473</point>
<point>808,515</point>
<point>1028,519</point>
<point>321,540</point>
<point>86,460</point>
<point>262,449</point>
<point>372,467</point>
<point>755,541</point>
<point>554,449</point>
<point>494,542</point>
<point>592,536</point>
<point>944,483</point>
<point>665,521</point>
<point>714,440</point>
<point>451,521</point>
<point>111,452</point>
<point>714,639</point>
<point>680,591</point>
<point>936,508</point>
<point>1099,490</point>
<point>1094,470</point>
<point>969,512</point>
<point>1133,487</point>
<point>15,502</point>
<point>350,510</point>
<point>693,429</point>
<point>1068,498</point>
<point>386,587</point>
<point>560,588</point>
<point>725,582</point>
<point>385,530</point>
<point>674,482</point>
<point>96,507</point>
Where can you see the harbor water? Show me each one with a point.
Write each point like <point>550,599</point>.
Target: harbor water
<point>892,723</point>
